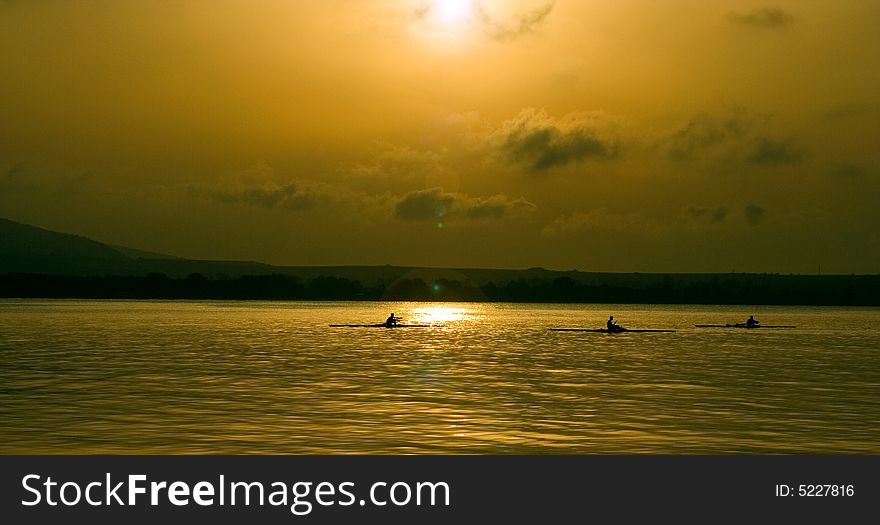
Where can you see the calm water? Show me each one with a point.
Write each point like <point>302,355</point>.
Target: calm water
<point>253,377</point>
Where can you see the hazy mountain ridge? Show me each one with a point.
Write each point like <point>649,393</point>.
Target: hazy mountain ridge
<point>30,249</point>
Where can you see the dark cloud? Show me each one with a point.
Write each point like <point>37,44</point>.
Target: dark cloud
<point>520,25</point>
<point>730,139</point>
<point>286,196</point>
<point>436,205</point>
<point>259,186</point>
<point>754,214</point>
<point>848,171</point>
<point>422,205</point>
<point>769,152</point>
<point>718,214</point>
<point>706,133</point>
<point>764,17</point>
<point>541,143</point>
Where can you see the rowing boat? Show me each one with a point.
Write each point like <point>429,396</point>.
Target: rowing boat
<point>606,331</point>
<point>743,325</point>
<point>381,325</point>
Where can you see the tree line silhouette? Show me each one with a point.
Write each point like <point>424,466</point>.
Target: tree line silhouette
<point>856,290</point>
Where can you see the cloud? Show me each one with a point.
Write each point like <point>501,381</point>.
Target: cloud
<point>604,224</point>
<point>598,220</point>
<point>848,171</point>
<point>268,195</point>
<point>729,140</point>
<point>434,204</point>
<point>763,17</point>
<point>705,133</point>
<point>496,207</point>
<point>754,214</point>
<point>519,25</point>
<point>394,166</point>
<point>19,179</point>
<point>422,10</point>
<point>258,186</point>
<point>421,205</point>
<point>540,142</point>
<point>769,152</point>
<point>718,214</point>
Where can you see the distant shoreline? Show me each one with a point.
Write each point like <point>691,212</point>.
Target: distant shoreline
<point>708,289</point>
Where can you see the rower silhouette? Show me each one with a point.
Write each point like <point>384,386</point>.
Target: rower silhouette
<point>612,325</point>
<point>752,322</point>
<point>391,321</point>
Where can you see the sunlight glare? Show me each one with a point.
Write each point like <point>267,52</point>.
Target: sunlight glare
<point>453,11</point>
<point>439,314</point>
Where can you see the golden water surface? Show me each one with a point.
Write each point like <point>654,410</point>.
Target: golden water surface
<point>274,378</point>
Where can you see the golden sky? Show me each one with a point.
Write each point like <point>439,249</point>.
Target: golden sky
<point>675,135</point>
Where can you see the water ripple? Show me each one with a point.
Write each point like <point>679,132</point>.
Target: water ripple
<point>251,377</point>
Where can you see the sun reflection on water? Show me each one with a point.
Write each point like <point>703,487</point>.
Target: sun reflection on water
<point>438,314</point>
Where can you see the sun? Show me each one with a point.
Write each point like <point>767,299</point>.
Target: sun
<point>448,24</point>
<point>453,11</point>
